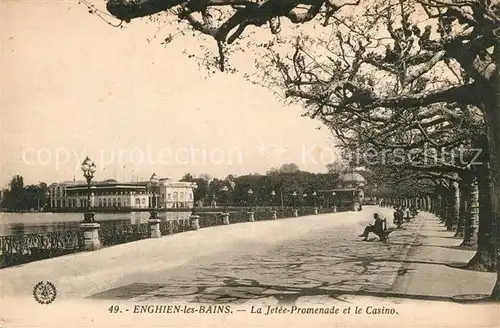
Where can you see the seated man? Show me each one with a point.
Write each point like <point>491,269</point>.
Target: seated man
<point>377,228</point>
<point>407,215</point>
<point>398,218</point>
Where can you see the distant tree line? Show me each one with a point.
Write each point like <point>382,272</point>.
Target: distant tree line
<point>284,181</point>
<point>18,197</point>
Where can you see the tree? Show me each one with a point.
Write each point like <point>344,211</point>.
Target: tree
<point>187,178</point>
<point>289,168</point>
<point>15,197</point>
<point>336,167</point>
<point>200,193</point>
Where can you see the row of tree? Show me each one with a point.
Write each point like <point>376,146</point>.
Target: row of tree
<point>18,197</point>
<point>257,189</point>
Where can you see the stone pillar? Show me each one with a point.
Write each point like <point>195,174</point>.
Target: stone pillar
<point>251,218</point>
<point>195,221</point>
<point>154,228</point>
<point>225,218</point>
<point>90,236</point>
<point>274,215</point>
<point>334,209</point>
<point>295,212</point>
<point>315,210</point>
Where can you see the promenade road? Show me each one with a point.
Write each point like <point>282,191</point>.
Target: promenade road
<point>316,258</point>
<point>305,254</point>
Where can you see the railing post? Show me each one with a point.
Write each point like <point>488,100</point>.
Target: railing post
<point>295,212</point>
<point>91,236</point>
<point>225,218</point>
<point>274,215</point>
<point>154,228</point>
<point>334,209</point>
<point>251,218</point>
<point>315,210</point>
<point>195,221</point>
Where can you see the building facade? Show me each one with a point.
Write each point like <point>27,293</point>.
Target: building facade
<point>111,194</point>
<point>176,194</point>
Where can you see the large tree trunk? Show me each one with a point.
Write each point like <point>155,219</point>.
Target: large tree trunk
<point>485,257</point>
<point>454,206</point>
<point>472,220</point>
<point>449,208</point>
<point>492,118</point>
<point>462,209</point>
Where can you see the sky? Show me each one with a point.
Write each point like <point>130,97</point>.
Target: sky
<point>73,86</point>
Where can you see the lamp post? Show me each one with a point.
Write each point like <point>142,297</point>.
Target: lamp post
<point>193,211</point>
<point>88,167</point>
<point>226,191</point>
<point>294,198</point>
<point>225,214</point>
<point>153,182</point>
<point>193,217</point>
<point>250,199</point>
<point>273,211</point>
<point>334,207</point>
<point>314,194</point>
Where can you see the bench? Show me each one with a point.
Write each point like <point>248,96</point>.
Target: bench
<point>384,234</point>
<point>398,220</point>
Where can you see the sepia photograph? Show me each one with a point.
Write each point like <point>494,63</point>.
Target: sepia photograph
<point>250,163</point>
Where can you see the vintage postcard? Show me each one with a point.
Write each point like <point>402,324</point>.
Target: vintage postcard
<point>250,163</point>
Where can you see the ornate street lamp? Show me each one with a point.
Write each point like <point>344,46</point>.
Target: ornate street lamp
<point>371,192</point>
<point>250,199</point>
<point>314,198</point>
<point>193,211</point>
<point>333,198</point>
<point>294,196</point>
<point>272,199</point>
<point>88,167</point>
<point>226,194</point>
<point>154,182</point>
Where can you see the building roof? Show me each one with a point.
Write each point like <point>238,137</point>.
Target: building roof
<point>351,177</point>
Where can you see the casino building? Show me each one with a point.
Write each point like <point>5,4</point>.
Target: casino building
<point>111,194</point>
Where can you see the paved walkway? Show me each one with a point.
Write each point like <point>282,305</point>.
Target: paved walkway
<point>306,255</point>
<point>313,259</point>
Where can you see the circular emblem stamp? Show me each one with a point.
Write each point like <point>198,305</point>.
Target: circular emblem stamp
<point>44,292</point>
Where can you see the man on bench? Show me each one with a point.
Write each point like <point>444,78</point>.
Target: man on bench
<point>379,228</point>
<point>398,218</point>
<point>407,214</point>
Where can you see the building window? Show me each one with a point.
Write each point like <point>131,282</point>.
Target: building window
<point>144,200</point>
<point>119,202</point>
<point>182,196</point>
<point>190,196</point>
<point>137,201</point>
<point>169,196</point>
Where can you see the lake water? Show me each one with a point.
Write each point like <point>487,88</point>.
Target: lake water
<point>26,223</point>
